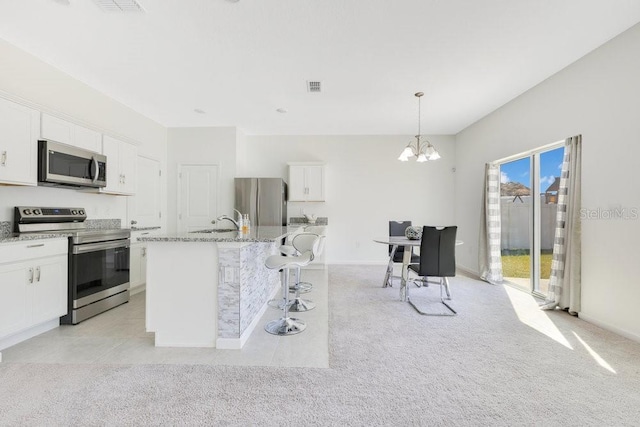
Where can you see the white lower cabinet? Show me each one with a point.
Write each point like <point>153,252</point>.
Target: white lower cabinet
<point>49,289</point>
<point>13,298</point>
<point>138,260</point>
<point>33,284</point>
<point>138,265</point>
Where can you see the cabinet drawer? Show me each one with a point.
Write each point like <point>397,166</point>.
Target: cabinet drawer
<point>30,249</point>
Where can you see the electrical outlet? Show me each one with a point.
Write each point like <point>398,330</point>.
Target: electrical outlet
<point>228,274</point>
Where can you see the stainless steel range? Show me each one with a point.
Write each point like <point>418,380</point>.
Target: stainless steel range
<point>98,259</point>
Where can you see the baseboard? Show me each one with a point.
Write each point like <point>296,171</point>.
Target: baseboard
<point>469,272</point>
<point>16,338</point>
<point>137,289</point>
<point>238,343</point>
<point>609,327</point>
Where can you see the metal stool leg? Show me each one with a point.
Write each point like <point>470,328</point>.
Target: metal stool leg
<point>285,325</point>
<point>298,304</point>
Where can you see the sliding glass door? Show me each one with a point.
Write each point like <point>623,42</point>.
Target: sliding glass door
<point>528,201</point>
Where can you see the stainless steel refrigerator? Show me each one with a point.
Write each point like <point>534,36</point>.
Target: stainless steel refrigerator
<point>264,199</point>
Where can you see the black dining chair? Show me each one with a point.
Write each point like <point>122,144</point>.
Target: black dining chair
<point>437,259</point>
<point>397,228</point>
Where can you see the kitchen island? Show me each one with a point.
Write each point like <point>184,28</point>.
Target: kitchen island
<point>209,289</point>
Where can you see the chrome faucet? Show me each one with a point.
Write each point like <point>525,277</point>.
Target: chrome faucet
<point>222,217</point>
<point>228,218</point>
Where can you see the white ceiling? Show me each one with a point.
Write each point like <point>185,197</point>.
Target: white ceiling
<point>240,61</point>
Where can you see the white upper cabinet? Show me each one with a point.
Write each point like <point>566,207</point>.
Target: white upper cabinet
<point>306,182</point>
<point>144,208</point>
<point>19,129</point>
<point>66,132</point>
<point>121,166</point>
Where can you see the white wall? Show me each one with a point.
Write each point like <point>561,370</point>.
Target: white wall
<point>201,146</point>
<point>366,186</point>
<point>598,97</point>
<point>26,79</point>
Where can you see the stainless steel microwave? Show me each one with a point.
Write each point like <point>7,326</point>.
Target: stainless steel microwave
<point>64,165</point>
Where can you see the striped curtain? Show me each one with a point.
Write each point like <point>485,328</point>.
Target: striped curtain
<point>565,279</point>
<point>489,258</point>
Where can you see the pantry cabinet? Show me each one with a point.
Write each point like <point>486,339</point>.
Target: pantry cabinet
<point>19,130</point>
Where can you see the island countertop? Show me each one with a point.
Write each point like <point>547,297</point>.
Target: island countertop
<point>256,234</point>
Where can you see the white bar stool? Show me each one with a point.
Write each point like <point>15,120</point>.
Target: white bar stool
<point>288,325</point>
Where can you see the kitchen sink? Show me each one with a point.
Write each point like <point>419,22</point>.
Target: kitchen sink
<point>215,230</point>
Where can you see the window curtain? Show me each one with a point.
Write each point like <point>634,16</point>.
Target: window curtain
<point>565,278</point>
<point>489,258</point>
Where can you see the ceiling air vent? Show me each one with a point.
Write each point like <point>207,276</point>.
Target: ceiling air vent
<point>314,86</point>
<point>119,5</point>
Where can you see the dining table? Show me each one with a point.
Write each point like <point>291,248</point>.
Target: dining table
<point>395,242</point>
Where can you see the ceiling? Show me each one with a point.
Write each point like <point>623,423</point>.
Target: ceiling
<point>241,61</point>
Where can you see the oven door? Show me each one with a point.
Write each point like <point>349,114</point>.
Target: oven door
<point>97,271</point>
<point>63,164</point>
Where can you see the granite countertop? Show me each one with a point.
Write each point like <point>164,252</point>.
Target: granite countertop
<point>300,220</point>
<point>145,228</point>
<point>7,235</point>
<point>256,234</point>
<point>20,237</point>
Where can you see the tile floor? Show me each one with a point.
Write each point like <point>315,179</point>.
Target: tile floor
<point>118,337</point>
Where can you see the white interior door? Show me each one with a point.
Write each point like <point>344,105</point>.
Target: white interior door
<point>144,207</point>
<point>198,197</point>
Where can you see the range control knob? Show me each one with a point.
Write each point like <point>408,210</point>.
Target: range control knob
<point>37,212</point>
<point>27,212</point>
<point>81,212</point>
<point>74,212</point>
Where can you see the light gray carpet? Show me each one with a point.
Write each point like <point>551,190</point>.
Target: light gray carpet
<point>389,366</point>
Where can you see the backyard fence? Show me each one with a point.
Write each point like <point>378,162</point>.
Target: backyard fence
<point>515,214</point>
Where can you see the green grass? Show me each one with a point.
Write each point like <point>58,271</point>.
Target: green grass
<point>520,265</point>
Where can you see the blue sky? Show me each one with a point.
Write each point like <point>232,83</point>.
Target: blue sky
<point>518,170</point>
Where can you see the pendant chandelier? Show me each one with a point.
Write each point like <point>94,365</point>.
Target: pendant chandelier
<point>422,150</point>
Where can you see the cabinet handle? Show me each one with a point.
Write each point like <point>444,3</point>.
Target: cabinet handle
<point>31,275</point>
<point>37,274</point>
<point>35,246</point>
<point>3,161</point>
<point>144,252</point>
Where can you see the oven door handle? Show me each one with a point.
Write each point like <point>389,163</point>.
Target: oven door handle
<point>94,247</point>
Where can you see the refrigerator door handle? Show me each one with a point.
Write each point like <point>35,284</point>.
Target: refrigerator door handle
<point>258,204</point>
